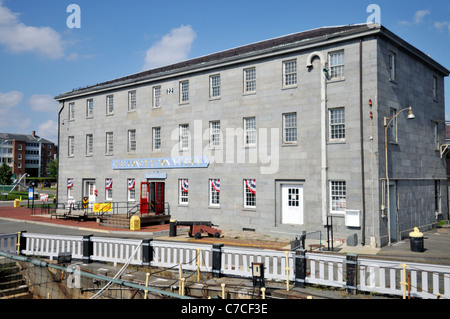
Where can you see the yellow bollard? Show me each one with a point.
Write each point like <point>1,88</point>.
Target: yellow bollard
<point>182,286</point>
<point>146,285</point>
<point>198,265</point>
<point>18,242</point>
<point>263,291</point>
<point>223,291</point>
<point>287,270</point>
<point>404,283</point>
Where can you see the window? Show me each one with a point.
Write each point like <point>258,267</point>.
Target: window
<point>290,73</point>
<point>70,188</point>
<point>184,136</point>
<point>157,96</point>
<point>435,88</point>
<point>19,157</point>
<point>290,128</point>
<point>131,189</point>
<point>392,66</point>
<point>19,147</point>
<point>132,141</point>
<point>109,143</point>
<point>214,192</point>
<point>108,189</point>
<point>156,138</point>
<point>249,193</point>
<point>183,191</point>
<point>250,80</point>
<point>250,131</point>
<point>338,196</point>
<point>71,111</point>
<point>184,92</point>
<point>393,126</point>
<point>214,134</point>
<point>19,165</point>
<point>71,146</point>
<point>90,108</point>
<point>337,65</point>
<point>110,104</point>
<point>131,101</point>
<point>214,83</point>
<point>337,124</point>
<point>89,144</point>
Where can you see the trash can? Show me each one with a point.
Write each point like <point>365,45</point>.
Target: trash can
<point>17,203</point>
<point>135,223</point>
<point>173,228</point>
<point>416,238</point>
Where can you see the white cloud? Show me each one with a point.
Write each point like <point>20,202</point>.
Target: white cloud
<point>43,103</point>
<point>11,118</point>
<point>18,37</point>
<point>442,25</point>
<point>173,47</point>
<point>49,131</point>
<point>419,16</point>
<point>9,100</point>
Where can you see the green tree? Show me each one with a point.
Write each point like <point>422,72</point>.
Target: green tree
<point>5,174</point>
<point>52,168</point>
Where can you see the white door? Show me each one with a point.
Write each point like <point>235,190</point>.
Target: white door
<point>292,204</point>
<point>91,189</point>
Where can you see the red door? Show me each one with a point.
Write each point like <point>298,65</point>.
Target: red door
<point>145,198</point>
<point>159,198</point>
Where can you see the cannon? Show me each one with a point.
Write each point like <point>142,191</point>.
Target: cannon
<point>197,228</point>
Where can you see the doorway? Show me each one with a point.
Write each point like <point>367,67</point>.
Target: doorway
<point>152,198</point>
<point>90,191</point>
<point>292,204</point>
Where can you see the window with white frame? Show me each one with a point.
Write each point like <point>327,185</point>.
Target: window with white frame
<point>131,141</point>
<point>250,131</point>
<point>131,188</point>
<point>131,101</point>
<point>71,146</point>
<point>250,80</point>
<point>89,144</point>
<point>90,108</point>
<point>19,147</point>
<point>336,64</point>
<point>392,66</point>
<point>214,134</point>
<point>109,143</point>
<point>110,104</point>
<point>214,192</point>
<point>184,91</point>
<point>338,193</point>
<point>214,86</point>
<point>249,193</point>
<point>435,88</point>
<point>71,111</point>
<point>156,138</point>
<point>290,73</point>
<point>183,194</point>
<point>156,96</point>
<point>393,126</point>
<point>184,136</point>
<point>290,128</point>
<point>337,124</point>
<point>108,189</point>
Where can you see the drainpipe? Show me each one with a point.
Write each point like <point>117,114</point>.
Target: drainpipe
<point>59,152</point>
<point>363,178</point>
<point>323,109</point>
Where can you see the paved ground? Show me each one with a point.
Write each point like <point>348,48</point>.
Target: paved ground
<point>436,242</point>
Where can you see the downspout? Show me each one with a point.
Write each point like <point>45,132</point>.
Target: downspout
<point>59,151</point>
<point>363,178</point>
<point>323,109</point>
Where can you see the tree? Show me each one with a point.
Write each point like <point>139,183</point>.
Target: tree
<point>52,168</point>
<point>5,174</point>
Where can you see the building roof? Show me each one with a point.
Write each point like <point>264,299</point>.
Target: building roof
<point>32,138</point>
<point>266,46</point>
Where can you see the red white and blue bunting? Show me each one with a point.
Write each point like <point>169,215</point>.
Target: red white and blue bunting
<point>185,185</point>
<point>109,183</point>
<point>131,183</point>
<point>216,184</point>
<point>69,182</point>
<point>251,185</point>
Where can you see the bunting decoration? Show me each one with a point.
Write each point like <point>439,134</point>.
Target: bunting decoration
<point>185,185</point>
<point>109,183</point>
<point>251,185</point>
<point>216,184</point>
<point>131,183</point>
<point>69,182</point>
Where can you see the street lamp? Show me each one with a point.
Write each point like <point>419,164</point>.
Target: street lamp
<point>387,122</point>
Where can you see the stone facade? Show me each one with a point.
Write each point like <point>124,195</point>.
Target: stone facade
<point>288,171</point>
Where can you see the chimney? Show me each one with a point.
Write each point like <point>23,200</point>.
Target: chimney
<point>33,133</point>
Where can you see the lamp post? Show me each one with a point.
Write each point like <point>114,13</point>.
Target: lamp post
<point>387,122</point>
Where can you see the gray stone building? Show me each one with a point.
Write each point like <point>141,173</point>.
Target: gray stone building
<point>280,136</point>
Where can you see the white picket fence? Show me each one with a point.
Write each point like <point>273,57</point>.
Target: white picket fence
<point>376,276</point>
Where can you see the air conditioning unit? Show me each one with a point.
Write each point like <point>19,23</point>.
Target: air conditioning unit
<point>353,218</point>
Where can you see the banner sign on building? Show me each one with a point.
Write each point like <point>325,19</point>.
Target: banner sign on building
<point>102,207</point>
<point>154,163</point>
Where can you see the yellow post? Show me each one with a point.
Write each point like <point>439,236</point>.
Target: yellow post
<point>146,285</point>
<point>182,286</point>
<point>198,264</point>
<point>18,242</point>
<point>287,270</point>
<point>180,271</point>
<point>223,291</point>
<point>404,283</point>
<point>263,291</point>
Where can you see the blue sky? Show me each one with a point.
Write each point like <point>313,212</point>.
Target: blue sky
<point>41,57</point>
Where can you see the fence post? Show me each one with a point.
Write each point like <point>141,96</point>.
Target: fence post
<point>88,250</point>
<point>147,252</point>
<point>216,260</point>
<point>352,273</point>
<point>21,242</point>
<point>300,267</point>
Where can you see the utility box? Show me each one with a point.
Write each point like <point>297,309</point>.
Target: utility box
<point>17,203</point>
<point>135,223</point>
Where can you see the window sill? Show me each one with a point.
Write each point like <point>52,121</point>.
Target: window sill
<point>289,144</point>
<point>249,93</point>
<point>289,87</point>
<point>250,209</point>
<point>333,142</point>
<point>213,207</point>
<point>335,80</point>
<point>183,205</point>
<point>217,98</point>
